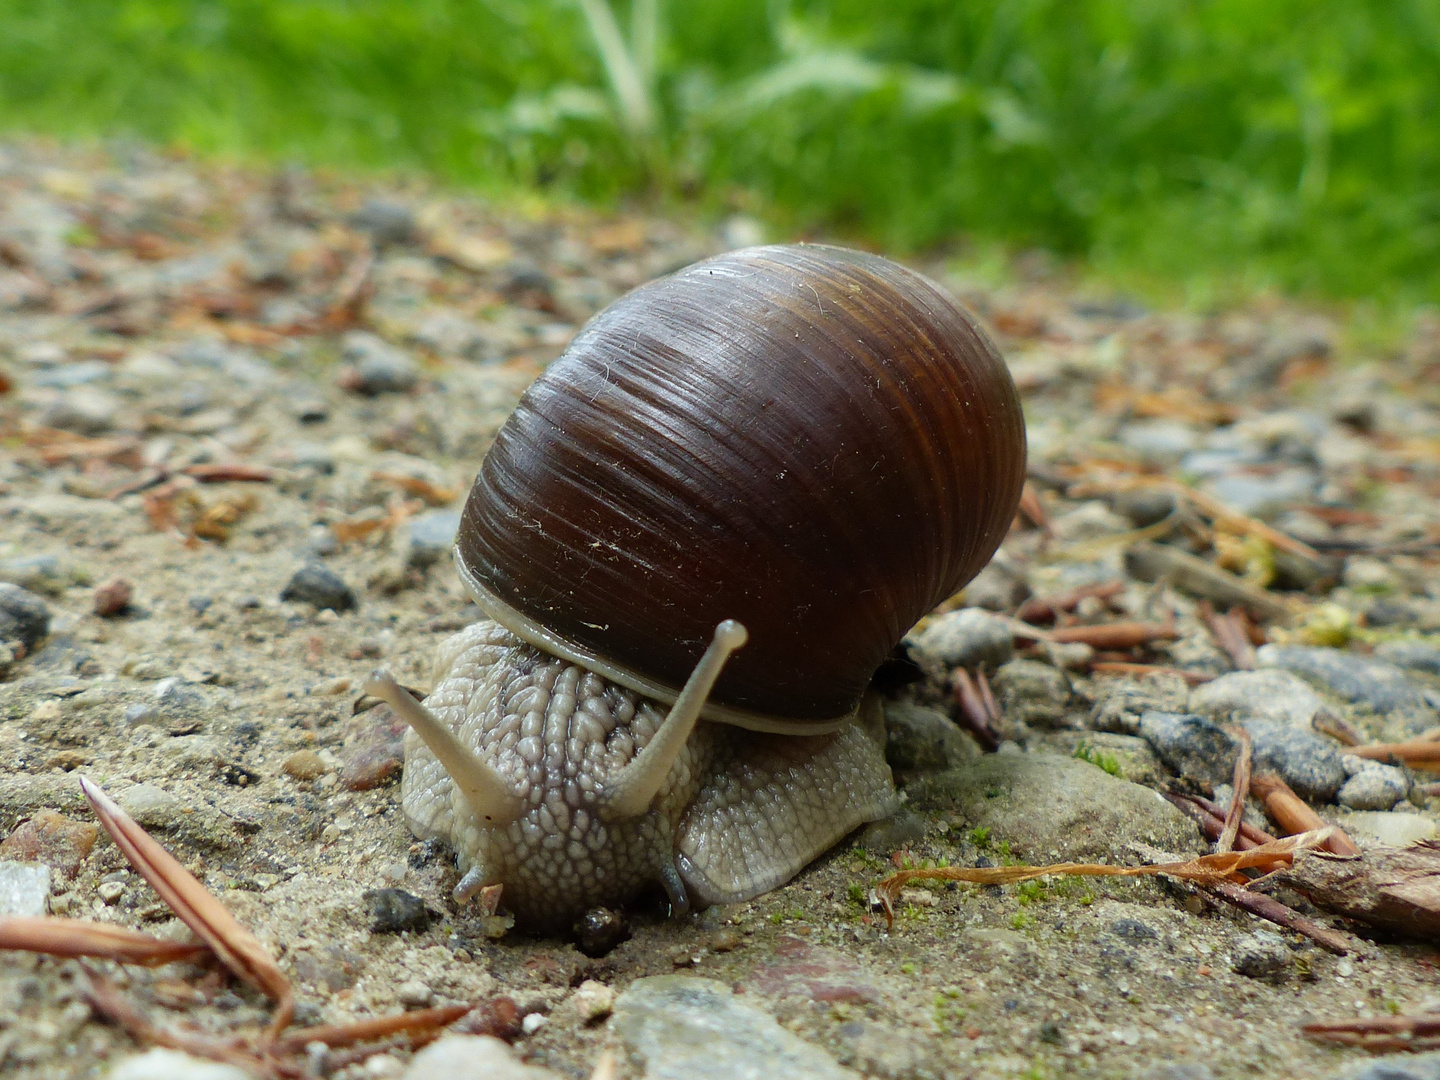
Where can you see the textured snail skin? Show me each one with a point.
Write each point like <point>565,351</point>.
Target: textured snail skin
<point>741,812</point>
<point>819,443</point>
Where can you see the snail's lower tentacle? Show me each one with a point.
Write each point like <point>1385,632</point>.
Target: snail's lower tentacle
<point>674,886</point>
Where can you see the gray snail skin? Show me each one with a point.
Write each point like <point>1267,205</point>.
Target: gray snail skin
<point>696,538</point>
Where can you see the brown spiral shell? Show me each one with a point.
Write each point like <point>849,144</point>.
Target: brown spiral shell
<point>815,441</point>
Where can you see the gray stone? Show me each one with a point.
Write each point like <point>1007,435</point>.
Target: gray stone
<point>472,1057</point>
<point>1271,694</point>
<point>23,616</point>
<point>684,1028</point>
<point>1050,807</point>
<point>38,573</point>
<point>1191,745</point>
<point>1393,828</point>
<point>1160,441</point>
<point>1395,1067</point>
<point>1261,955</point>
<point>431,536</point>
<point>1372,786</point>
<point>1375,683</point>
<point>966,638</point>
<point>1265,496</point>
<point>24,888</point>
<point>1308,763</point>
<point>84,410</point>
<point>997,588</point>
<point>387,221</point>
<point>1030,692</point>
<point>1414,655</point>
<point>377,367</point>
<point>924,739</point>
<point>150,806</point>
<point>319,585</point>
<point>158,1064</point>
<point>1179,1070</point>
<point>892,833</point>
<point>176,697</point>
<point>1125,701</point>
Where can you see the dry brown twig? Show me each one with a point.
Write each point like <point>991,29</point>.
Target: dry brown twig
<point>1294,815</point>
<point>73,937</point>
<point>1231,829</point>
<point>979,712</point>
<point>1204,870</point>
<point>1122,667</point>
<point>1381,1034</point>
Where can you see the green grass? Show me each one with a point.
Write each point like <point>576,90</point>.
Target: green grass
<point>1221,146</point>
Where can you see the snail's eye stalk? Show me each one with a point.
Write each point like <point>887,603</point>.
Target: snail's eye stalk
<point>486,792</point>
<point>629,793</point>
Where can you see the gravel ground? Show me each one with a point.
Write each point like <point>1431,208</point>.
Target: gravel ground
<point>217,380</point>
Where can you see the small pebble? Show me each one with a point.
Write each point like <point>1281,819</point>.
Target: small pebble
<point>305,765</point>
<point>161,1064</point>
<point>1031,692</point>
<point>600,930</point>
<point>1372,786</point>
<point>965,638</point>
<point>112,598</point>
<point>53,839</point>
<point>387,221</point>
<point>593,1001</point>
<point>1261,955</point>
<point>532,1023</point>
<point>24,888</point>
<point>472,1057</point>
<point>23,616</point>
<point>383,1066</point>
<point>375,366</point>
<point>431,536</point>
<point>321,586</point>
<point>110,891</point>
<point>414,994</point>
<point>395,910</point>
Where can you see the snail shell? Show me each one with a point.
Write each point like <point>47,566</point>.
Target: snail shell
<point>793,452</point>
<point>817,442</point>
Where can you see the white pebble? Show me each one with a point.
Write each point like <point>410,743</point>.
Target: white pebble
<point>532,1023</point>
<point>593,1000</point>
<point>414,994</point>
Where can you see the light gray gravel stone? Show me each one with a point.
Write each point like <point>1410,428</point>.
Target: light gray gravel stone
<point>24,888</point>
<point>149,805</point>
<point>1088,814</point>
<point>1375,683</point>
<point>1412,655</point>
<point>430,536</point>
<point>1372,786</point>
<point>1261,955</point>
<point>1030,692</point>
<point>1394,1067</point>
<point>685,1028</point>
<point>158,1064</point>
<point>377,367</point>
<point>23,616</point>
<point>924,739</point>
<point>472,1057</point>
<point>966,638</point>
<point>1271,694</point>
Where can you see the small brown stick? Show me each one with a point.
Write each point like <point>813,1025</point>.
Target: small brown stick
<point>236,947</point>
<point>1211,824</point>
<point>1420,753</point>
<point>1033,510</point>
<point>1203,870</point>
<point>1242,789</point>
<point>973,713</point>
<point>1046,608</point>
<point>987,697</point>
<point>1249,832</point>
<point>1337,728</point>
<point>1267,907</point>
<point>421,1020</point>
<point>1224,515</point>
<point>217,472</point>
<point>1230,635</point>
<point>1121,635</point>
<point>1124,667</point>
<point>1381,1034</point>
<point>1294,815</point>
<point>72,937</point>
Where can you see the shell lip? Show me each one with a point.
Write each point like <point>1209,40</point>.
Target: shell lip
<point>546,640</point>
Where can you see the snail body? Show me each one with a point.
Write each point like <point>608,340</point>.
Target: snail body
<point>773,463</point>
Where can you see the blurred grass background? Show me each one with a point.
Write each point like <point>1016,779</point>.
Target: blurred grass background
<point>1219,146</point>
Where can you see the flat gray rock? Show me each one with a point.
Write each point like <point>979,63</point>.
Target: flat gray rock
<point>1050,807</point>
<point>1271,693</point>
<point>1375,683</point>
<point>1412,655</point>
<point>917,738</point>
<point>966,638</point>
<point>684,1028</point>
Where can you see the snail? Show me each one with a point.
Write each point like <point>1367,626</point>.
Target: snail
<point>697,537</point>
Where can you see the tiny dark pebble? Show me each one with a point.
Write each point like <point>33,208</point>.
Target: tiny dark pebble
<point>427,851</point>
<point>600,930</point>
<point>395,910</point>
<point>318,585</point>
<point>1133,930</point>
<point>23,616</point>
<point>113,598</point>
<point>200,604</point>
<point>247,602</point>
